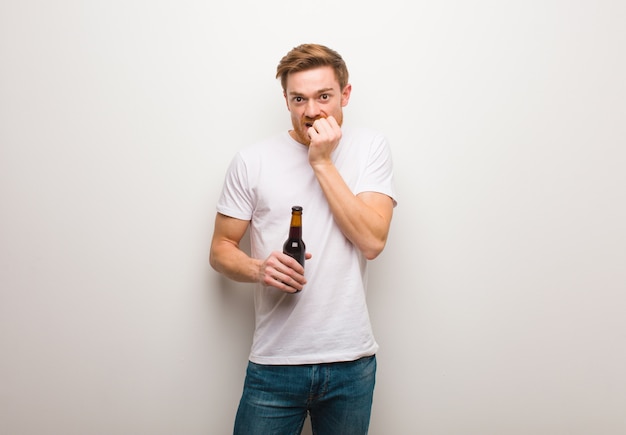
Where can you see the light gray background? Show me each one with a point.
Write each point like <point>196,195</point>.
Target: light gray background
<point>499,301</point>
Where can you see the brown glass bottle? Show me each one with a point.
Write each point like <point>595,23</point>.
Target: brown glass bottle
<point>294,245</point>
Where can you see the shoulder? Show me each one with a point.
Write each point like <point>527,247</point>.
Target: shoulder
<point>360,132</point>
<point>269,156</point>
<point>269,145</point>
<point>365,137</point>
<point>364,140</point>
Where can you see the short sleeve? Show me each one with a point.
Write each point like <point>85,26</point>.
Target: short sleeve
<point>236,199</point>
<point>378,175</point>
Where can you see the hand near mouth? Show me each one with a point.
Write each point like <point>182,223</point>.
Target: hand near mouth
<point>325,134</point>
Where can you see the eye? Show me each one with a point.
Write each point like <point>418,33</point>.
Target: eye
<point>298,99</point>
<point>324,97</point>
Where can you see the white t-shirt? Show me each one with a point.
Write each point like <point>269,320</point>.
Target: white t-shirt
<point>328,320</point>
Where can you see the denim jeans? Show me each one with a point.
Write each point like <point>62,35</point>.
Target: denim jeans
<point>338,397</point>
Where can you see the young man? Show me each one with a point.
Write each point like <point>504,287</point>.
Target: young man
<point>313,349</point>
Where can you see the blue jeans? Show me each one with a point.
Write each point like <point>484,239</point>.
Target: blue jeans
<point>338,397</point>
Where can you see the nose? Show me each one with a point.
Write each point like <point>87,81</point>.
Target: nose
<point>312,109</point>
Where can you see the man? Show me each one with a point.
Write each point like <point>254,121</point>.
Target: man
<point>313,349</point>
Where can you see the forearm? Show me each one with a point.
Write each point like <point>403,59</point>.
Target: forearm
<point>227,259</point>
<point>365,226</point>
<point>278,270</point>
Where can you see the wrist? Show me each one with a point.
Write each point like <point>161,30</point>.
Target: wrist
<point>322,165</point>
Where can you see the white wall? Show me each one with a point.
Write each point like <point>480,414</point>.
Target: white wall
<point>499,302</point>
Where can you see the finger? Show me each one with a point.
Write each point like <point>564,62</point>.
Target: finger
<point>290,276</point>
<point>294,269</point>
<point>332,122</point>
<point>322,126</point>
<point>287,285</point>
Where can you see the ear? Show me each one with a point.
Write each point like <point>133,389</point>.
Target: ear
<point>345,95</point>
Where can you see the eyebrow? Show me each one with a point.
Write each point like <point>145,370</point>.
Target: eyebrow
<point>321,91</point>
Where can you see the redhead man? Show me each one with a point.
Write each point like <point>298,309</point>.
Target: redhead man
<point>313,350</point>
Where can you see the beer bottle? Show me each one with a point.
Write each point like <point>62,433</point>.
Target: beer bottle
<point>294,246</point>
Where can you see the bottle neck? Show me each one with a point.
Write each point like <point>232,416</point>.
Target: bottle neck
<point>295,229</point>
<point>295,232</point>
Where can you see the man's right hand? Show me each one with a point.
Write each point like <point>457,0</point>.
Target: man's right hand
<point>283,272</point>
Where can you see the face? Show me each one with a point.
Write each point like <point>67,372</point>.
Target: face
<point>311,95</point>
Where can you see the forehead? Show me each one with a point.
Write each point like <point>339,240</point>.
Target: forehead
<point>312,81</point>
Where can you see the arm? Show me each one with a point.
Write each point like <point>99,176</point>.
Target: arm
<point>226,257</point>
<point>364,218</point>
